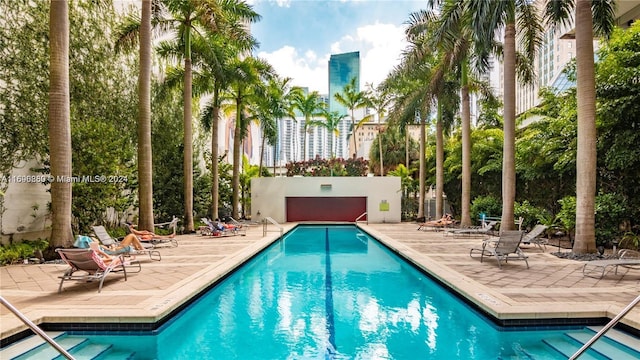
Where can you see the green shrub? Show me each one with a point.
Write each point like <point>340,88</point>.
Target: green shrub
<point>630,240</point>
<point>488,205</point>
<point>530,214</point>
<point>610,212</point>
<point>567,214</point>
<point>15,253</point>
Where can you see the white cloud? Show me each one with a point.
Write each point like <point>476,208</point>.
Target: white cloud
<point>306,70</point>
<point>380,46</point>
<point>280,3</point>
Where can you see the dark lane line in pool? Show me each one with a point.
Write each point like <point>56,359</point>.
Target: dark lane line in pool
<point>331,347</point>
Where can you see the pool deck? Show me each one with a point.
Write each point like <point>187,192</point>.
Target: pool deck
<point>551,288</point>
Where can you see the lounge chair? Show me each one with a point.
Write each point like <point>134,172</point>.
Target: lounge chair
<point>626,258</point>
<point>92,266</point>
<point>485,230</point>
<point>215,228</point>
<point>242,223</point>
<point>154,239</point>
<point>532,237</point>
<point>505,248</point>
<point>171,242</point>
<point>437,225</point>
<point>106,240</point>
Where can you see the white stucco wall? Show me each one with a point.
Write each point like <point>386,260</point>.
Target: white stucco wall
<point>268,194</point>
<point>24,213</point>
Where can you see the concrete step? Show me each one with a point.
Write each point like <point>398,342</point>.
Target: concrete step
<point>606,345</point>
<point>46,351</point>
<point>24,345</point>
<point>567,347</point>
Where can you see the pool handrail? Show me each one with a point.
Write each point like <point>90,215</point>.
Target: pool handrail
<point>36,329</point>
<point>606,328</point>
<point>266,221</point>
<point>360,217</point>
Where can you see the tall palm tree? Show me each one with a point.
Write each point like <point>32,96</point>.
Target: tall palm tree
<point>411,81</point>
<point>379,99</point>
<point>421,27</point>
<point>145,163</point>
<point>352,99</point>
<point>180,19</point>
<point>589,16</point>
<point>275,104</point>
<point>214,56</point>
<point>60,124</point>
<point>332,120</point>
<point>310,106</point>
<point>487,17</point>
<point>249,75</point>
<point>452,34</point>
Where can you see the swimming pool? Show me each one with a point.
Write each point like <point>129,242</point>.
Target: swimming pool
<point>329,293</point>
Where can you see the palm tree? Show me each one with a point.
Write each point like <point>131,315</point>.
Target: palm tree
<point>145,163</point>
<point>352,99</point>
<point>393,143</point>
<point>60,124</point>
<point>453,36</point>
<point>332,120</point>
<point>214,55</point>
<point>250,73</point>
<point>379,99</point>
<point>276,103</point>
<point>180,19</point>
<point>589,16</point>
<point>411,81</point>
<point>487,17</point>
<point>445,90</point>
<point>309,105</point>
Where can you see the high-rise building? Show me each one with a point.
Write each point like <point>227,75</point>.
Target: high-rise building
<point>557,50</point>
<point>343,68</point>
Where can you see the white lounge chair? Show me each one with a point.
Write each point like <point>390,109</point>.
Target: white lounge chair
<point>487,229</point>
<point>627,259</point>
<point>505,248</point>
<point>532,237</point>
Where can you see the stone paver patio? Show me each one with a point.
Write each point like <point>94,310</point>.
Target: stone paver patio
<point>551,288</point>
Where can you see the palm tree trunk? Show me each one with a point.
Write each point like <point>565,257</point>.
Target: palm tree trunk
<point>145,164</point>
<point>215,181</point>
<point>585,241</point>
<point>380,148</point>
<point>237,161</point>
<point>304,140</point>
<point>406,145</point>
<point>188,149</point>
<point>261,155</point>
<point>422,171</point>
<point>466,152</point>
<point>60,125</point>
<point>353,135</point>
<point>439,163</point>
<point>508,152</point>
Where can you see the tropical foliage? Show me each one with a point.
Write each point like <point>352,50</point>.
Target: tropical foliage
<point>330,167</point>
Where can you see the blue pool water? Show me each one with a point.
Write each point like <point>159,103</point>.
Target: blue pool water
<point>330,293</point>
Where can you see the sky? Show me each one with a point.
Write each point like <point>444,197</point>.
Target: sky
<point>297,37</point>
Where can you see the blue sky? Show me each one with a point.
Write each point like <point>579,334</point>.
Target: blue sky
<point>298,36</point>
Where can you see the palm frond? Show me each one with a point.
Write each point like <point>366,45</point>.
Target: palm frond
<point>558,12</point>
<point>529,28</point>
<point>603,17</point>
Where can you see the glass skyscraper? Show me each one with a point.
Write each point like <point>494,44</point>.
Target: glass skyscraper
<point>342,68</point>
